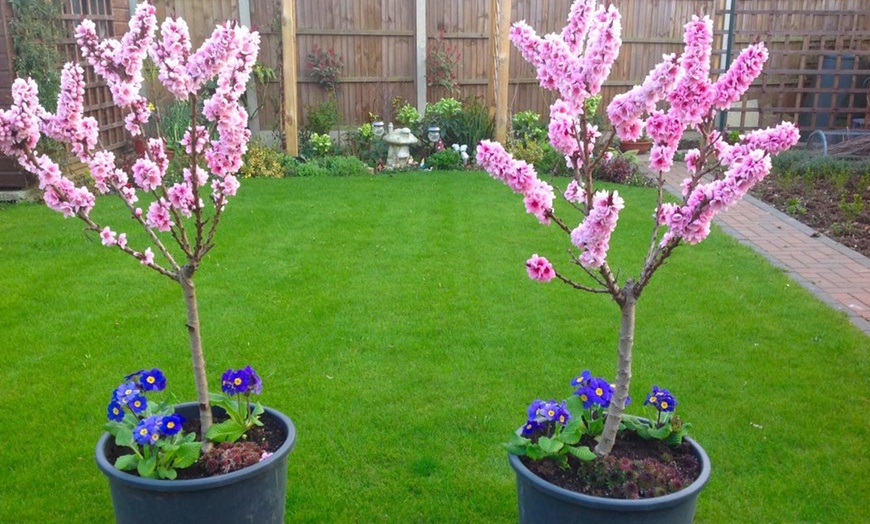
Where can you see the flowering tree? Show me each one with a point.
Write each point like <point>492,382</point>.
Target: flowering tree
<point>213,147</point>
<point>575,64</point>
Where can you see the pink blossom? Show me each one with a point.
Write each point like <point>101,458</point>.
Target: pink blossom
<point>693,96</point>
<point>661,158</point>
<point>626,109</point>
<point>574,34</point>
<point>181,198</point>
<point>158,216</point>
<point>540,269</point>
<point>147,258</point>
<point>602,48</point>
<point>574,192</point>
<point>592,236</point>
<point>539,201</point>
<point>147,174</point>
<point>743,71</point>
<point>122,240</point>
<point>108,237</point>
<point>692,159</point>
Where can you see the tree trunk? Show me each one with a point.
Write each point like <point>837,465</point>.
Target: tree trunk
<point>623,371</point>
<point>185,278</point>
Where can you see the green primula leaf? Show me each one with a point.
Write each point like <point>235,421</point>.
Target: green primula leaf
<point>572,432</point>
<point>575,406</point>
<point>549,445</point>
<point>166,473</point>
<point>146,467</point>
<point>188,453</point>
<point>536,453</point>
<point>660,433</point>
<point>581,452</point>
<point>124,437</point>
<point>226,431</point>
<point>127,462</point>
<point>514,449</point>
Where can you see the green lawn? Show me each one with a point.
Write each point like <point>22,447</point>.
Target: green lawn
<point>392,319</point>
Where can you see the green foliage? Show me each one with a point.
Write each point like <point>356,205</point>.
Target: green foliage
<point>448,159</point>
<point>552,162</point>
<point>324,65</point>
<point>36,34</point>
<point>441,61</point>
<point>343,166</point>
<point>319,145</point>
<point>794,206</point>
<point>322,117</point>
<point>173,122</point>
<point>851,208</point>
<point>473,124</point>
<point>336,166</point>
<point>242,417</point>
<point>261,161</point>
<point>527,150</point>
<point>363,144</point>
<point>527,126</point>
<point>408,116</point>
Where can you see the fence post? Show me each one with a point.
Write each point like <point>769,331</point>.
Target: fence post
<point>500,20</point>
<point>420,37</point>
<point>288,43</point>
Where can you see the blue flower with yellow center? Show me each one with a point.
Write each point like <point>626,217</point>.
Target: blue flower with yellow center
<point>126,392</point>
<point>534,407</point>
<point>147,432</point>
<point>661,399</point>
<point>530,427</point>
<point>115,411</point>
<point>234,382</point>
<point>138,404</point>
<point>582,379</point>
<point>152,380</point>
<point>171,424</point>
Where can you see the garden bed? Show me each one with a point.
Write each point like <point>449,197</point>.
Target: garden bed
<point>827,194</point>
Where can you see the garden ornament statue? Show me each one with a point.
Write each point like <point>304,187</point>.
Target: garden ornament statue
<point>399,142</point>
<point>575,64</point>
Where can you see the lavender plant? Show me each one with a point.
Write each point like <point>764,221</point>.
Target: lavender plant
<point>575,64</point>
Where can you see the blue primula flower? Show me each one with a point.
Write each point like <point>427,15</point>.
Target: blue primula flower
<point>234,382</point>
<point>152,380</point>
<point>171,424</point>
<point>138,404</point>
<point>661,399</point>
<point>582,380</point>
<point>147,432</point>
<point>126,392</point>
<point>115,411</point>
<point>530,427</point>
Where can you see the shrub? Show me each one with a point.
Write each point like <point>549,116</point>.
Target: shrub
<point>261,161</point>
<point>527,126</point>
<point>322,117</point>
<point>343,166</point>
<point>441,62</point>
<point>527,150</point>
<point>446,160</point>
<point>311,169</point>
<point>318,145</point>
<point>325,65</point>
<point>408,116</point>
<point>474,123</point>
<point>552,162</point>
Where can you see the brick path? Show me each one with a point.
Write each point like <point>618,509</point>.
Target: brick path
<point>837,275</point>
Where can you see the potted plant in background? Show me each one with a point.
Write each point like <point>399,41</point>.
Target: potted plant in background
<point>176,229</point>
<point>580,433</point>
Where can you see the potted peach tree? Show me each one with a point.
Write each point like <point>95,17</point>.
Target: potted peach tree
<point>578,436</point>
<point>176,222</point>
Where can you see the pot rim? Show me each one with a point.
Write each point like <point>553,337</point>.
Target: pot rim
<point>135,481</point>
<point>649,504</point>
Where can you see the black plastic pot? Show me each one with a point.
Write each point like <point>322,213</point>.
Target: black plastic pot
<point>255,494</point>
<point>542,502</point>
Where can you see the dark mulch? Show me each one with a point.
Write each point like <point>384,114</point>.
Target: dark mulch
<point>837,209</point>
<point>267,438</point>
<point>635,469</point>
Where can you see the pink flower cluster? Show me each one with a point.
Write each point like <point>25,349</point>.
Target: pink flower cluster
<point>748,163</point>
<point>519,176</point>
<point>691,99</point>
<point>592,236</point>
<point>575,62</point>
<point>540,269</point>
<point>69,123</point>
<point>731,86</point>
<point>171,53</point>
<point>626,109</point>
<point>120,63</point>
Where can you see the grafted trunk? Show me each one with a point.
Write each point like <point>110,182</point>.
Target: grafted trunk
<point>623,371</point>
<point>185,278</point>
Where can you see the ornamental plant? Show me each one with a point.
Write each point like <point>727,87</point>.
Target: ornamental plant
<point>237,386</point>
<point>177,222</point>
<point>152,431</point>
<point>574,64</point>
